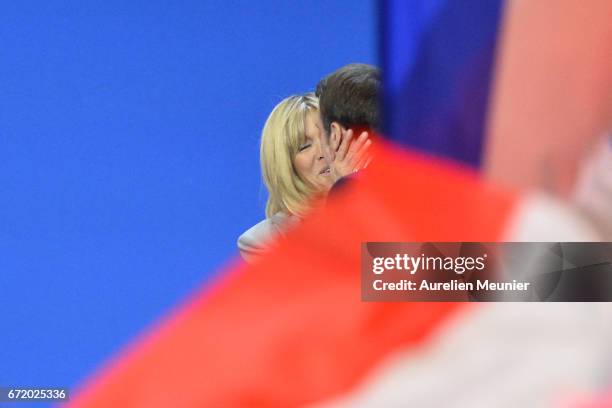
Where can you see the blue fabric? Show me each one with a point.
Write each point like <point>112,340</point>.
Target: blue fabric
<point>437,62</point>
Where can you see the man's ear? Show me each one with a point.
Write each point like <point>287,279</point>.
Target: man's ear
<point>335,135</point>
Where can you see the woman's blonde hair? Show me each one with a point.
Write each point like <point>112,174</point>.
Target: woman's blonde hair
<point>281,138</point>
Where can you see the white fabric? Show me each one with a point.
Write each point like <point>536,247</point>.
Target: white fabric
<point>594,188</point>
<point>504,354</point>
<point>256,241</point>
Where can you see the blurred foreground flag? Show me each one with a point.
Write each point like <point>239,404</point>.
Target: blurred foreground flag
<point>292,330</point>
<point>521,89</point>
<point>438,59</point>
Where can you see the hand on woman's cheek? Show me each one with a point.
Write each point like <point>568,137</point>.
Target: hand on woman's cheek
<point>350,155</point>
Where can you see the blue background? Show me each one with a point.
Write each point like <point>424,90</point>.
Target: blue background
<point>129,157</point>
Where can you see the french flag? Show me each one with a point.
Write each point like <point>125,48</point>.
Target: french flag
<point>475,94</point>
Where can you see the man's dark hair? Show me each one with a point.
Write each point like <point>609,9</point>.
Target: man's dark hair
<point>349,96</point>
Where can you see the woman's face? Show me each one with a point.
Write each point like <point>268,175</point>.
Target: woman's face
<point>309,162</point>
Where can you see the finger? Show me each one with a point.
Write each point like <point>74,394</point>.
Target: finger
<point>344,145</point>
<point>363,161</point>
<point>357,146</point>
<point>360,164</point>
<point>365,145</point>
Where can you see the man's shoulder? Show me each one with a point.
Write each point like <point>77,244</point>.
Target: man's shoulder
<point>343,182</point>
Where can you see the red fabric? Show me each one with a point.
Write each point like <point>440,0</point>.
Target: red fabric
<point>292,329</point>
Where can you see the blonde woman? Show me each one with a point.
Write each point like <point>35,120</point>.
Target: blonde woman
<point>293,168</point>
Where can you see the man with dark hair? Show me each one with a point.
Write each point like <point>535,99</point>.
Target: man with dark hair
<point>349,104</point>
<point>349,97</point>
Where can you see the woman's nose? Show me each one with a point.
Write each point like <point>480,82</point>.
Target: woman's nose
<point>319,152</point>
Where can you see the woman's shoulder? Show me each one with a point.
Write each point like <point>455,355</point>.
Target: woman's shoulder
<point>261,230</point>
<point>256,239</point>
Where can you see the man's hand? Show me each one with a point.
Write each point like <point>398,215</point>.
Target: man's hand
<point>351,156</point>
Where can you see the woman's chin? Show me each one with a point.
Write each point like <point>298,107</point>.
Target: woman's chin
<point>327,186</point>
